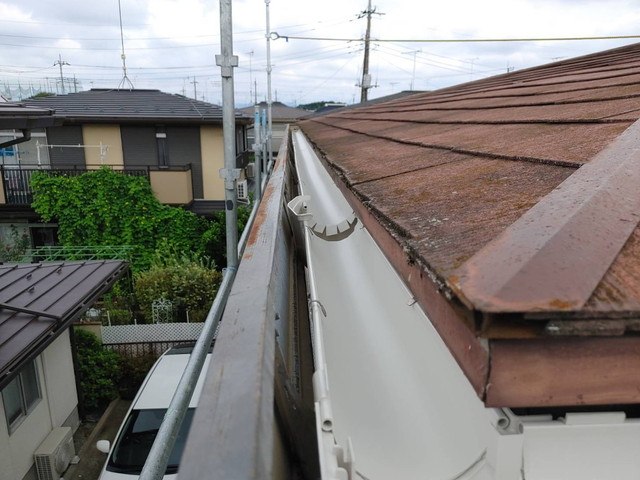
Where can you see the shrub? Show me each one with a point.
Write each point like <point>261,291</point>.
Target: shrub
<point>190,286</point>
<point>14,248</point>
<point>134,370</point>
<point>99,371</point>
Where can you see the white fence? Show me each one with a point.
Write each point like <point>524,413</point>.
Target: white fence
<point>158,332</point>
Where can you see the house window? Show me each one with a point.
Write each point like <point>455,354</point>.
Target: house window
<point>27,153</point>
<point>163,150</point>
<point>21,396</point>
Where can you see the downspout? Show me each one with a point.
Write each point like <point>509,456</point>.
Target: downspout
<point>26,136</point>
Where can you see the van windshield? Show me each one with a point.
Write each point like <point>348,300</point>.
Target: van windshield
<point>133,445</point>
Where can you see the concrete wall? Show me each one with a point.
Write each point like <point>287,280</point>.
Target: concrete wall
<point>57,407</point>
<point>211,143</point>
<point>109,135</point>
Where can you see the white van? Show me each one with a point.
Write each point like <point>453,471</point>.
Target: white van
<point>138,430</point>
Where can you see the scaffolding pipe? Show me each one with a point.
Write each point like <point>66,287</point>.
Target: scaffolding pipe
<point>158,458</point>
<point>269,122</point>
<point>226,60</point>
<point>257,150</point>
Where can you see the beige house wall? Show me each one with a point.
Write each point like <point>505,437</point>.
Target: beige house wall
<point>212,146</point>
<point>107,135</point>
<point>170,187</point>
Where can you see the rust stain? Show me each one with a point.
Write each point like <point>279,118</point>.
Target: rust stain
<point>558,304</point>
<point>261,216</point>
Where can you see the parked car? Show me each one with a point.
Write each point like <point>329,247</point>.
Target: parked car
<point>133,442</point>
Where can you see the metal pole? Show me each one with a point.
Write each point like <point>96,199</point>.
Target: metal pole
<point>269,129</point>
<point>226,60</point>
<point>263,140</point>
<point>257,150</point>
<point>158,458</point>
<point>156,463</point>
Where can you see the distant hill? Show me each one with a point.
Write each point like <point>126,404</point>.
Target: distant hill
<point>314,106</point>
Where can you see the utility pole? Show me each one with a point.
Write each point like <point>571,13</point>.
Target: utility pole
<point>195,91</point>
<point>365,84</point>
<point>413,75</point>
<point>250,75</point>
<point>60,63</point>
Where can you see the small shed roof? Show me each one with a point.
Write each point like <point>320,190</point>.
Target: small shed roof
<point>102,105</point>
<point>510,205</point>
<point>38,301</point>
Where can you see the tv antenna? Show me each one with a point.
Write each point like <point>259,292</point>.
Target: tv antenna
<point>125,80</point>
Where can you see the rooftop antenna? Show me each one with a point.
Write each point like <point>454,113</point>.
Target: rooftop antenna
<point>125,80</point>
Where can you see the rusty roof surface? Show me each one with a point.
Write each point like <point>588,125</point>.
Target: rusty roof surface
<point>517,195</point>
<point>38,301</point>
<point>449,172</point>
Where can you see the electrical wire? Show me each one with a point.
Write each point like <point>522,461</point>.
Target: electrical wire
<point>276,36</point>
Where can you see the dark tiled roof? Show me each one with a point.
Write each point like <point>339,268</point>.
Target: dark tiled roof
<point>38,301</point>
<point>133,105</point>
<point>279,111</point>
<point>463,183</point>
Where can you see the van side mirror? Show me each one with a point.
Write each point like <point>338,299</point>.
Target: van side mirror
<point>103,445</point>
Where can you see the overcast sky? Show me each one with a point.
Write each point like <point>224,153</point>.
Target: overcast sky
<point>169,43</point>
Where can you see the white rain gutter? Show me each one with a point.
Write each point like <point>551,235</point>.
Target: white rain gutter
<point>390,400</point>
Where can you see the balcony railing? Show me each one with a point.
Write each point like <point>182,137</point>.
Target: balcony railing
<point>16,180</point>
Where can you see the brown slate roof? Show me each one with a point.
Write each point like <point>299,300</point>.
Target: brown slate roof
<point>38,302</point>
<point>511,207</point>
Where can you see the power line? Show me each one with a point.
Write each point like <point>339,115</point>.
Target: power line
<point>276,36</point>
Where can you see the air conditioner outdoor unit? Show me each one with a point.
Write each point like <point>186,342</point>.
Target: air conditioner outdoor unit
<point>250,170</point>
<point>242,190</point>
<point>54,454</point>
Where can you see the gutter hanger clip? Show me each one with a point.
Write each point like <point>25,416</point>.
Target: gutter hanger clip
<point>330,233</point>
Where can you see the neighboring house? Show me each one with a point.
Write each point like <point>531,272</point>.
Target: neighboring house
<point>281,116</point>
<point>21,128</point>
<point>510,207</point>
<point>173,140</point>
<point>37,379</point>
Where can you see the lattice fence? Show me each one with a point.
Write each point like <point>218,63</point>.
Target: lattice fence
<point>133,350</point>
<point>159,332</point>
